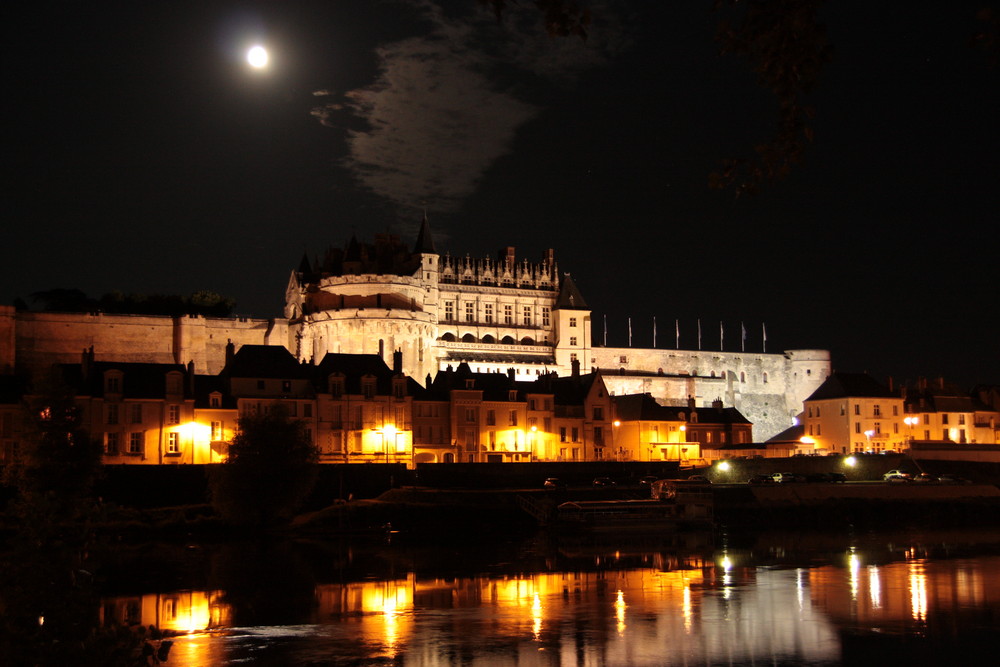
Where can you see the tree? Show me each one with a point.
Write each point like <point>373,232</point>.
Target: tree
<point>272,467</point>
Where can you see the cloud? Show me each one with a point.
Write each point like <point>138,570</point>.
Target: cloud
<point>448,103</point>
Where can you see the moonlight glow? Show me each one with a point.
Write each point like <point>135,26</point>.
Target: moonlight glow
<point>257,57</point>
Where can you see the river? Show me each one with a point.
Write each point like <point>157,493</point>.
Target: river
<point>693,599</point>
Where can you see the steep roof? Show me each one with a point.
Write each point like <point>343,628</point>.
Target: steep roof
<point>425,242</point>
<point>853,385</point>
<point>569,296</point>
<point>264,361</point>
<point>141,380</point>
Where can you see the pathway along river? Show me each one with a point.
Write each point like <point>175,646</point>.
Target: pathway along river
<point>697,599</point>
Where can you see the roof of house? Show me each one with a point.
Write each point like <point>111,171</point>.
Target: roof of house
<point>854,385</point>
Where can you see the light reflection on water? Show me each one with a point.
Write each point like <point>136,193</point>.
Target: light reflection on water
<point>710,606</point>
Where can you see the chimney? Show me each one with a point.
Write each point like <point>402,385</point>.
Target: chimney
<point>575,365</point>
<point>717,404</point>
<point>507,256</point>
<point>190,374</point>
<point>691,403</point>
<point>397,362</point>
<point>511,373</point>
<point>87,361</point>
<point>549,256</point>
<point>890,384</point>
<point>230,351</point>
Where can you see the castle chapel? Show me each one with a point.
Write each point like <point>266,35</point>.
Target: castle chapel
<point>503,314</point>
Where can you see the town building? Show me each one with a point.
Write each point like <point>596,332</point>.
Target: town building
<point>941,412</point>
<point>852,412</point>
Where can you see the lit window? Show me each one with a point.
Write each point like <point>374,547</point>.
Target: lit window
<point>488,313</point>
<point>216,430</point>
<point>572,340</point>
<point>527,316</point>
<point>135,443</point>
<point>470,311</point>
<point>111,443</point>
<point>173,443</point>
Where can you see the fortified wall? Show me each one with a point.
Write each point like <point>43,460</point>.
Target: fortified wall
<point>36,340</point>
<point>768,389</point>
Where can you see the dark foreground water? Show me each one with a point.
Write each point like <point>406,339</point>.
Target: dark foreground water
<point>771,599</point>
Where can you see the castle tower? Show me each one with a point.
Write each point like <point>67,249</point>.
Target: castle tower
<point>571,327</point>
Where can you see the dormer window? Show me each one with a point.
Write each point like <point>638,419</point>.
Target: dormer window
<point>113,382</point>
<point>368,388</point>
<point>174,383</point>
<point>215,400</point>
<point>337,386</point>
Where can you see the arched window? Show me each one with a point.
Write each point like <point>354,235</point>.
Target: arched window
<point>468,338</point>
<point>449,337</point>
<point>527,341</point>
<point>507,340</point>
<point>743,377</point>
<point>489,340</point>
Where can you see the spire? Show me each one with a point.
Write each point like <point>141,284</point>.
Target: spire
<point>304,266</point>
<point>569,296</point>
<point>425,242</point>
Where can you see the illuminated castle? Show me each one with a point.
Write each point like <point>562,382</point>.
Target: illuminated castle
<point>500,314</point>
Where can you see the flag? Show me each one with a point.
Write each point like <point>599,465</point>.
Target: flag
<point>763,330</point>
<point>721,336</point>
<point>743,338</point>
<point>654,331</point>
<point>677,334</point>
<point>699,333</point>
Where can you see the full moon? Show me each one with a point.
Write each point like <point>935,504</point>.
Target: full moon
<point>257,57</point>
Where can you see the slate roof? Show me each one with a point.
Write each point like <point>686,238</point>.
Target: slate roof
<point>264,361</point>
<point>853,385</point>
<point>141,380</point>
<point>569,296</point>
<point>355,366</point>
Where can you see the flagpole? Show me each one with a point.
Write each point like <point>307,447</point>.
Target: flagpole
<point>630,332</point>
<point>654,332</point>
<point>743,338</point>
<point>605,330</point>
<point>699,333</point>
<point>721,337</point>
<point>763,330</point>
<point>677,334</point>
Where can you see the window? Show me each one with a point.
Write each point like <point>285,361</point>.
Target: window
<point>576,434</point>
<point>113,385</point>
<point>572,321</point>
<point>877,410</point>
<point>546,316</point>
<point>368,389</point>
<point>944,418</point>
<point>488,313</point>
<point>765,378</point>
<point>216,430</point>
<point>491,417</point>
<point>508,314</point>
<point>572,357</point>
<point>449,311</point>
<point>112,414</point>
<point>526,318</point>
<point>572,340</point>
<point>135,443</point>
<point>337,386</point>
<point>857,408</point>
<point>857,427</point>
<point>286,386</point>
<point>623,359</point>
<point>173,443</point>
<point>598,413</point>
<point>512,418</point>
<point>470,415</point>
<point>562,434</point>
<point>895,411</point>
<point>961,420</point>
<point>307,410</point>
<point>215,401</point>
<point>260,385</point>
<point>470,311</point>
<point>819,429</point>
<point>743,377</point>
<point>598,435</point>
<point>111,443</point>
<point>173,414</point>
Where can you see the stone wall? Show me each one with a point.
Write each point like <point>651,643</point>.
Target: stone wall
<point>41,339</point>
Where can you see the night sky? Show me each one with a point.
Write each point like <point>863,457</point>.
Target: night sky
<point>144,155</point>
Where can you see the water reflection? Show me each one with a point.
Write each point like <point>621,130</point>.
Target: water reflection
<point>736,605</point>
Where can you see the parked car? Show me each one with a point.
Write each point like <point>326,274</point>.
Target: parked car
<point>950,478</point>
<point>699,478</point>
<point>925,478</point>
<point>605,482</point>
<point>837,477</point>
<point>647,480</point>
<point>554,483</point>
<point>897,476</point>
<point>760,479</point>
<point>786,477</point>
